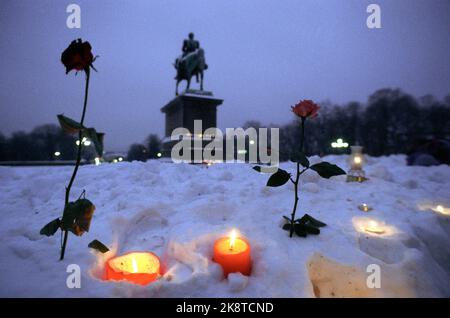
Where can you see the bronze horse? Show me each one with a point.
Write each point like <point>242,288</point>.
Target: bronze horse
<point>191,64</point>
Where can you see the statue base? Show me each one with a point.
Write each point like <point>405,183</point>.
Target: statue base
<point>184,109</point>
<point>196,92</point>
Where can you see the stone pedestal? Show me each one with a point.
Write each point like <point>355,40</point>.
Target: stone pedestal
<point>184,109</point>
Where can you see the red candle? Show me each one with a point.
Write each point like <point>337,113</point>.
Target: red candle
<point>136,267</point>
<point>233,254</point>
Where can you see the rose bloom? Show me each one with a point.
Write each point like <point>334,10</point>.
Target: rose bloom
<point>305,108</point>
<point>77,56</point>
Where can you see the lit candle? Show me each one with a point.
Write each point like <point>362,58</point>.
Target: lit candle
<point>233,254</point>
<point>441,209</point>
<point>136,267</point>
<point>374,227</point>
<point>364,207</point>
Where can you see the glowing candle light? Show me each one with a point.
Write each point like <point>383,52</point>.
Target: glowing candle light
<point>356,160</point>
<point>233,254</point>
<point>374,227</point>
<point>364,207</point>
<point>136,267</point>
<point>441,209</point>
<point>233,236</point>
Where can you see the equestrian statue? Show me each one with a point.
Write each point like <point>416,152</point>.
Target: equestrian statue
<point>190,63</point>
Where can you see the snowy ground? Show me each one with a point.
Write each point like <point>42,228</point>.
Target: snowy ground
<point>178,211</point>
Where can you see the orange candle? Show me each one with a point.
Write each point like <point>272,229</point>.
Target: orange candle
<point>136,267</point>
<point>233,254</point>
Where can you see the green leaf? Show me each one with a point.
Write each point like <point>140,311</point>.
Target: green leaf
<point>99,246</point>
<point>307,228</point>
<point>51,228</point>
<point>92,134</point>
<point>300,230</point>
<point>327,170</point>
<point>77,216</point>
<point>69,125</point>
<point>257,168</point>
<point>314,222</point>
<point>301,158</point>
<point>278,178</point>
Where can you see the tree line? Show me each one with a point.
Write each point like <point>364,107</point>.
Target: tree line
<point>392,122</point>
<point>45,142</point>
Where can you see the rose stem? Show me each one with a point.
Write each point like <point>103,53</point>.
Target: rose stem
<point>302,137</point>
<point>77,164</point>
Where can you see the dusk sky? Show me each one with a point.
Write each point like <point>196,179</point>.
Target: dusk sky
<point>263,56</point>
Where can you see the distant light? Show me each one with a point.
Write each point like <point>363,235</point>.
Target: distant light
<point>57,153</point>
<point>159,155</point>
<point>242,151</point>
<point>120,159</point>
<point>440,209</point>
<point>357,159</point>
<point>85,141</point>
<point>200,135</point>
<point>97,161</point>
<point>339,143</point>
<point>114,160</point>
<point>252,142</point>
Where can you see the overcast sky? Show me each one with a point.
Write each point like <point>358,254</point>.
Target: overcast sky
<point>263,56</point>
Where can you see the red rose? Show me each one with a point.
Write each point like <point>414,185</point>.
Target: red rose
<point>77,56</point>
<point>305,108</point>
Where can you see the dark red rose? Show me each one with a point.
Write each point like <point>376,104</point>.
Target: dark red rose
<point>77,56</point>
<point>305,108</point>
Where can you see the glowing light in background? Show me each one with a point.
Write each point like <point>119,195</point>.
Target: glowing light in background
<point>339,143</point>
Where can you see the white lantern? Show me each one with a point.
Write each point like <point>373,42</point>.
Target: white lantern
<point>356,161</point>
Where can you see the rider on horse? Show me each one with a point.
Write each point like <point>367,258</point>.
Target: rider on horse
<point>190,45</point>
<point>191,62</point>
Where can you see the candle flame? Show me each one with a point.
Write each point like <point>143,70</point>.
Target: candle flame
<point>135,267</point>
<point>233,236</point>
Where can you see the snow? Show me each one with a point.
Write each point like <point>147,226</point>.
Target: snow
<point>178,210</point>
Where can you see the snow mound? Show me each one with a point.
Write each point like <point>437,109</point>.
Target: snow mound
<point>177,211</point>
